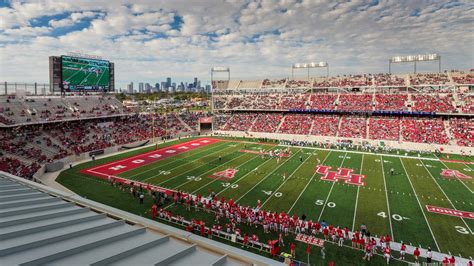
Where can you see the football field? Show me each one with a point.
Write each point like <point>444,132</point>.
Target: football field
<point>415,200</point>
<point>86,74</point>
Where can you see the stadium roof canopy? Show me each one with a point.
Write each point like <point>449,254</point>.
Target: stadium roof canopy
<point>41,225</point>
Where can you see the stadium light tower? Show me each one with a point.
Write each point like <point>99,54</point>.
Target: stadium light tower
<point>308,66</point>
<point>220,70</point>
<point>414,59</point>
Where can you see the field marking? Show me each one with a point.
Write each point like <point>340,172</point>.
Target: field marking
<point>304,189</point>
<point>357,197</point>
<point>472,192</point>
<point>367,153</point>
<point>282,163</point>
<point>329,194</point>
<point>251,171</point>
<point>80,83</point>
<point>212,180</point>
<point>159,166</point>
<point>386,197</point>
<point>210,147</point>
<point>419,204</point>
<point>179,175</point>
<point>98,80</point>
<point>76,72</point>
<point>472,233</point>
<point>286,179</point>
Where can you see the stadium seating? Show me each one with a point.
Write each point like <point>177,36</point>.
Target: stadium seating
<point>429,79</point>
<point>433,103</point>
<point>352,127</point>
<point>424,130</point>
<point>384,128</point>
<point>325,125</point>
<point>355,102</point>
<point>462,129</point>
<point>298,124</point>
<point>266,122</point>
<point>391,102</point>
<point>385,79</point>
<point>322,101</point>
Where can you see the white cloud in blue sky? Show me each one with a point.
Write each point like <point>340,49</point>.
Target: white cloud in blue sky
<point>150,40</point>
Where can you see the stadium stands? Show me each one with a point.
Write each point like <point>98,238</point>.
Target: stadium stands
<point>462,129</point>
<point>384,128</point>
<point>424,130</point>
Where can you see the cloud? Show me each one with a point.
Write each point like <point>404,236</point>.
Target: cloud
<point>150,40</point>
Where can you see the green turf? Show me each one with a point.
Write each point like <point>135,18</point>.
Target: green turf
<point>388,204</point>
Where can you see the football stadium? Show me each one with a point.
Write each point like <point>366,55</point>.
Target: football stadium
<point>350,168</point>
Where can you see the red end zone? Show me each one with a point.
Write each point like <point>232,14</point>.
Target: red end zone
<point>110,170</point>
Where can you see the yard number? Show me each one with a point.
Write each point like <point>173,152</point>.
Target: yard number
<point>396,217</point>
<point>278,194</point>
<point>329,204</point>
<point>161,172</point>
<point>461,230</point>
<point>227,184</point>
<point>191,177</point>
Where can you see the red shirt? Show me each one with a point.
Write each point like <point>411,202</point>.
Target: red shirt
<point>416,252</point>
<point>292,246</point>
<point>403,248</point>
<point>362,241</point>
<point>386,251</point>
<point>452,260</point>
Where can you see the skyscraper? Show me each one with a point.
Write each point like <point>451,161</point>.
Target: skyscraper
<point>168,82</point>
<point>130,88</point>
<point>140,87</point>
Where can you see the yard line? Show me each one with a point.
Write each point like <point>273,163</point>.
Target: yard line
<point>386,197</point>
<point>357,197</point>
<point>158,166</point>
<point>180,185</point>
<point>311,179</point>
<point>276,190</point>
<point>422,210</point>
<point>236,181</point>
<point>218,179</point>
<point>472,192</point>
<point>329,194</point>
<point>213,180</point>
<point>434,179</point>
<point>282,163</point>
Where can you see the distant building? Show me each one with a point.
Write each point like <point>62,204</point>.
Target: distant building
<point>148,88</point>
<point>168,82</point>
<point>157,87</point>
<point>140,87</point>
<point>130,88</point>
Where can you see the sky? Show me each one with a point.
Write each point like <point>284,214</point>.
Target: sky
<point>151,40</point>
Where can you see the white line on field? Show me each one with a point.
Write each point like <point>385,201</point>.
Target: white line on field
<point>282,163</point>
<point>216,179</point>
<point>237,181</point>
<point>472,192</point>
<point>434,179</point>
<point>386,197</point>
<point>304,189</point>
<point>330,191</point>
<point>417,199</point>
<point>160,166</point>
<point>357,197</point>
<point>182,184</point>
<point>286,179</point>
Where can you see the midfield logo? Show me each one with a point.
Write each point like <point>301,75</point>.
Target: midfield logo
<point>341,173</point>
<point>454,173</point>
<point>226,174</point>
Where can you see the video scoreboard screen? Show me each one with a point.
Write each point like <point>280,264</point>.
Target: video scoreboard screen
<point>84,74</point>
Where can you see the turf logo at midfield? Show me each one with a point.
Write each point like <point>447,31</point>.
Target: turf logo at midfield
<point>341,173</point>
<point>454,173</point>
<point>228,173</point>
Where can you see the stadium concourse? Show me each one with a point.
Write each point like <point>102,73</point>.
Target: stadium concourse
<point>416,114</point>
